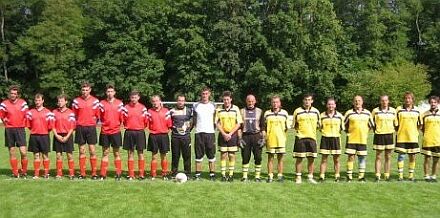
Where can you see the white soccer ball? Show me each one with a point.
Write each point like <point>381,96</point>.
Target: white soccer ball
<point>181,178</point>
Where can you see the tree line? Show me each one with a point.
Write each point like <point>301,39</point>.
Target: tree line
<point>333,48</point>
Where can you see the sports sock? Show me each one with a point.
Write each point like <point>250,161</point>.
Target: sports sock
<point>14,166</point>
<point>71,168</point>
<point>164,165</point>
<point>46,164</point>
<point>59,167</point>
<point>93,165</point>
<point>37,168</point>
<point>257,171</point>
<point>245,170</point>
<point>153,168</point>
<point>231,167</point>
<point>141,167</point>
<point>24,166</point>
<point>130,165</point>
<point>82,165</point>
<point>411,169</point>
<point>223,167</point>
<point>350,169</point>
<point>104,165</point>
<point>118,166</point>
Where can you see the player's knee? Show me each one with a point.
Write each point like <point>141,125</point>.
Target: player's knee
<point>401,157</point>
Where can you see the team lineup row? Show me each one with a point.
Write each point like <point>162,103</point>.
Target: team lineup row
<point>249,129</point>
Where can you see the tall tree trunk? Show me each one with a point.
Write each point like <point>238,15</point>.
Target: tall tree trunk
<point>2,33</point>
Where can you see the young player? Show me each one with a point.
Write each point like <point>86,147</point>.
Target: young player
<point>252,140</point>
<point>274,131</point>
<point>228,120</point>
<point>407,141</point>
<point>306,120</point>
<point>204,111</point>
<point>358,122</point>
<point>135,121</point>
<point>159,124</point>
<point>39,122</point>
<point>111,116</point>
<point>181,117</point>
<point>13,115</point>
<point>332,123</point>
<point>86,109</point>
<point>431,140</point>
<point>383,117</point>
<point>64,125</point>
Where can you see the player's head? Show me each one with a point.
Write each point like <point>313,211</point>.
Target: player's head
<point>275,102</point>
<point>408,99</point>
<point>384,101</point>
<point>227,98</point>
<point>358,102</point>
<point>62,100</point>
<point>331,104</point>
<point>180,101</point>
<point>86,88</point>
<point>433,101</point>
<point>250,101</point>
<point>110,91</point>
<point>307,100</point>
<point>38,100</point>
<point>14,92</point>
<point>156,101</point>
<point>134,96</point>
<point>205,93</point>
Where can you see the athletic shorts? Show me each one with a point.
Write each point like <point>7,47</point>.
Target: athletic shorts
<point>356,149</point>
<point>86,135</point>
<point>407,148</point>
<point>134,140</point>
<point>15,137</point>
<point>114,140</point>
<point>159,143</point>
<point>228,146</point>
<point>276,150</point>
<point>330,145</point>
<point>305,147</point>
<point>39,143</point>
<point>60,147</point>
<point>383,142</point>
<point>431,151</point>
<point>205,144</point>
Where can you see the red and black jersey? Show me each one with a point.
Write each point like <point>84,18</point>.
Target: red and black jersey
<point>159,121</point>
<point>39,121</point>
<point>86,111</point>
<point>135,116</point>
<point>64,121</point>
<point>13,114</point>
<point>111,116</point>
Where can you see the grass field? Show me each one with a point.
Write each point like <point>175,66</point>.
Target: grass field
<point>64,198</point>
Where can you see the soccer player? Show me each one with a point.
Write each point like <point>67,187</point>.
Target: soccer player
<point>228,120</point>
<point>159,124</point>
<point>111,116</point>
<point>13,115</point>
<point>332,123</point>
<point>383,117</point>
<point>204,111</point>
<point>181,117</point>
<point>306,120</point>
<point>358,122</point>
<point>135,121</point>
<point>407,142</point>
<point>431,139</point>
<point>39,122</point>
<point>86,109</point>
<point>274,131</point>
<point>63,127</point>
<point>252,140</point>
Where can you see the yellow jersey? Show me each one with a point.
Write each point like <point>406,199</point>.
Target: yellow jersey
<point>408,122</point>
<point>306,122</point>
<point>431,128</point>
<point>358,125</point>
<point>384,120</point>
<point>275,125</point>
<point>331,126</point>
<point>228,119</point>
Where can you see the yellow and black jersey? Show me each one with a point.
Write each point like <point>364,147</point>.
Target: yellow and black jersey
<point>431,128</point>
<point>275,125</point>
<point>228,119</point>
<point>357,125</point>
<point>408,122</point>
<point>384,120</point>
<point>331,126</point>
<point>306,122</point>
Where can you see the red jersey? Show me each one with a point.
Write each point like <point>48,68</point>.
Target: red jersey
<point>111,116</point>
<point>86,111</point>
<point>13,114</point>
<point>39,121</point>
<point>64,120</point>
<point>135,116</point>
<point>159,121</point>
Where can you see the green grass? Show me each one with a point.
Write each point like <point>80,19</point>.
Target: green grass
<point>53,198</point>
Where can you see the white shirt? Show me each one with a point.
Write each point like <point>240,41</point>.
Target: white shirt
<point>204,114</point>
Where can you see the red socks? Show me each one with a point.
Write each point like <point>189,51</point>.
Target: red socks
<point>93,165</point>
<point>37,168</point>
<point>71,168</point>
<point>104,165</point>
<point>24,165</point>
<point>82,166</point>
<point>59,167</point>
<point>131,168</point>
<point>141,165</point>
<point>14,166</point>
<point>153,168</point>
<point>118,166</point>
<point>46,164</point>
<point>164,165</point>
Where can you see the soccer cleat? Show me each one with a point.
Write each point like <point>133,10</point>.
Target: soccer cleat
<point>362,180</point>
<point>46,176</point>
<point>400,179</point>
<point>153,178</point>
<point>427,178</point>
<point>224,179</point>
<point>298,180</point>
<point>81,177</point>
<point>71,177</point>
<point>35,177</point>
<point>337,179</point>
<point>230,179</point>
<point>434,180</point>
<point>118,177</point>
<point>58,177</point>
<point>321,180</point>
<point>102,178</point>
<point>280,179</point>
<point>269,180</point>
<point>15,176</point>
<point>140,178</point>
<point>377,179</point>
<point>212,177</point>
<point>312,181</point>
<point>411,180</point>
<point>95,177</point>
<point>257,179</point>
<point>23,175</point>
<point>188,176</point>
<point>244,179</point>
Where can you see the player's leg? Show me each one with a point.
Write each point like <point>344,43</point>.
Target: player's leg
<point>378,164</point>
<point>164,148</point>
<point>270,157</point>
<point>186,154</point>
<point>350,166</point>
<point>130,164</point>
<point>154,149</point>
<point>104,161</point>
<point>246,156</point>
<point>231,158</point>
<point>71,164</point>
<point>362,165</point>
<point>59,165</point>
<point>411,166</point>
<point>164,165</point>
<point>91,141</point>
<point>298,169</point>
<point>323,167</point>
<point>175,154</point>
<point>400,164</point>
<point>434,168</point>
<point>46,164</point>
<point>82,161</point>
<point>426,167</point>
<point>280,158</point>
<point>21,141</point>
<point>141,163</point>
<point>10,143</point>
<point>199,152</point>
<point>37,164</point>
<point>117,162</point>
<point>312,153</point>
<point>387,164</point>
<point>257,151</point>
<point>210,153</point>
<point>44,143</point>
<point>223,159</point>
<point>337,167</point>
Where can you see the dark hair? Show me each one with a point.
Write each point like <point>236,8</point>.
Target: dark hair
<point>434,97</point>
<point>227,94</point>
<point>135,92</point>
<point>86,84</point>
<point>409,94</point>
<point>14,88</point>
<point>330,99</point>
<point>205,88</point>
<point>62,96</point>
<point>109,86</point>
<point>180,95</point>
<point>307,95</point>
<point>39,95</point>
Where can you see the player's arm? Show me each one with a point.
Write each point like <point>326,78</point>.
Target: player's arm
<point>346,120</point>
<point>371,123</point>
<point>169,121</point>
<point>239,121</point>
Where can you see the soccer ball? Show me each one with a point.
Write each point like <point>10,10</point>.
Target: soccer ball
<point>181,178</point>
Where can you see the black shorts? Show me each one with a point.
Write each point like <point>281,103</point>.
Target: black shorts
<point>407,148</point>
<point>305,147</point>
<point>15,137</point>
<point>114,140</point>
<point>60,147</point>
<point>134,140</point>
<point>383,142</point>
<point>39,143</point>
<point>330,145</point>
<point>356,149</point>
<point>159,143</point>
<point>205,144</point>
<point>431,151</point>
<point>228,146</point>
<point>85,135</point>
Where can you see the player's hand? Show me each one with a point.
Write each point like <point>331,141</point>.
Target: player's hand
<point>59,138</point>
<point>261,142</point>
<point>242,143</point>
<point>227,137</point>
